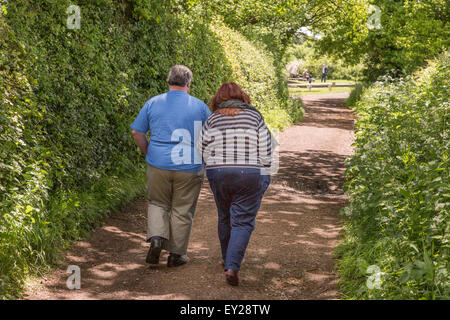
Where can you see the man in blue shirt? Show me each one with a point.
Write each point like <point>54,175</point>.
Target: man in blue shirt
<point>175,169</point>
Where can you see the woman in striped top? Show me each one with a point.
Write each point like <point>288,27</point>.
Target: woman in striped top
<point>236,146</point>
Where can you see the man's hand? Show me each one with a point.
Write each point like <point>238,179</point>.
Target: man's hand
<point>141,140</point>
<point>229,111</point>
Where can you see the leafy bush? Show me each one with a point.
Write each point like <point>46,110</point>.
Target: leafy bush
<point>408,33</point>
<point>67,98</point>
<point>254,70</point>
<point>23,177</point>
<point>355,95</point>
<point>398,216</point>
<point>63,136</point>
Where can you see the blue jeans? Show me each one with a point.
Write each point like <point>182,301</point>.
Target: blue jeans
<point>238,193</point>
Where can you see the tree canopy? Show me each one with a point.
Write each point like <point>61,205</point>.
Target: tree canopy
<point>409,32</point>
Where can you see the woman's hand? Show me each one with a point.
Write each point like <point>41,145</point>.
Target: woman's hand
<point>229,111</point>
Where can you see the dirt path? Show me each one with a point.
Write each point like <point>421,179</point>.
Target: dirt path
<point>290,255</point>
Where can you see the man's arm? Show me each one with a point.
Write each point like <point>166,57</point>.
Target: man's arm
<point>141,140</point>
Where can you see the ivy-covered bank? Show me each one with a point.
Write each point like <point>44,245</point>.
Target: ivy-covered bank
<point>397,226</point>
<point>67,98</point>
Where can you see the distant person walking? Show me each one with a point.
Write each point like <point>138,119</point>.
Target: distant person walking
<point>236,149</point>
<point>173,185</point>
<point>324,73</point>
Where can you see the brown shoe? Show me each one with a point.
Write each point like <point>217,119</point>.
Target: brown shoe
<point>232,277</point>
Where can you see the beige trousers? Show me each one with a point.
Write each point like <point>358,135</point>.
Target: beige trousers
<point>172,198</point>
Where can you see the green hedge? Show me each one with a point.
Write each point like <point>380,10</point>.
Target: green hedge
<point>67,98</point>
<point>255,71</point>
<point>355,95</point>
<point>398,217</point>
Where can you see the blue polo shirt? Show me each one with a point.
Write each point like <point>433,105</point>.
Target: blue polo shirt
<point>175,120</point>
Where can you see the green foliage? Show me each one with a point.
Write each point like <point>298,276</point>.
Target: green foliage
<point>23,178</point>
<point>398,217</point>
<point>410,32</point>
<point>276,20</point>
<point>255,72</point>
<point>67,98</point>
<point>311,59</point>
<point>355,95</point>
<point>265,28</point>
<point>61,136</point>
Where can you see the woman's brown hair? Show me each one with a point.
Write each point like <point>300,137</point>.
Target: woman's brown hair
<point>228,91</point>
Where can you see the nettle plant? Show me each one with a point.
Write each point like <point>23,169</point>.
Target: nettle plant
<point>399,187</point>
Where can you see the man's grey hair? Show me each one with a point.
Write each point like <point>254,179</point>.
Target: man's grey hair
<point>179,75</point>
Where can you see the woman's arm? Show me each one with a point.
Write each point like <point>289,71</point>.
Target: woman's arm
<point>265,147</point>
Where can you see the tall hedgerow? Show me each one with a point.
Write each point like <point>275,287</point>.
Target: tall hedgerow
<point>24,180</point>
<point>398,217</point>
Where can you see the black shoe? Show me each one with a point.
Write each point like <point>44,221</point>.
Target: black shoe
<point>154,251</point>
<point>175,260</point>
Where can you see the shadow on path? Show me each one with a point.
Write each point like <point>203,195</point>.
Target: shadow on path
<point>290,255</point>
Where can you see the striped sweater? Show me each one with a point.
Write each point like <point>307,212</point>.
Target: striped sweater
<point>242,140</point>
